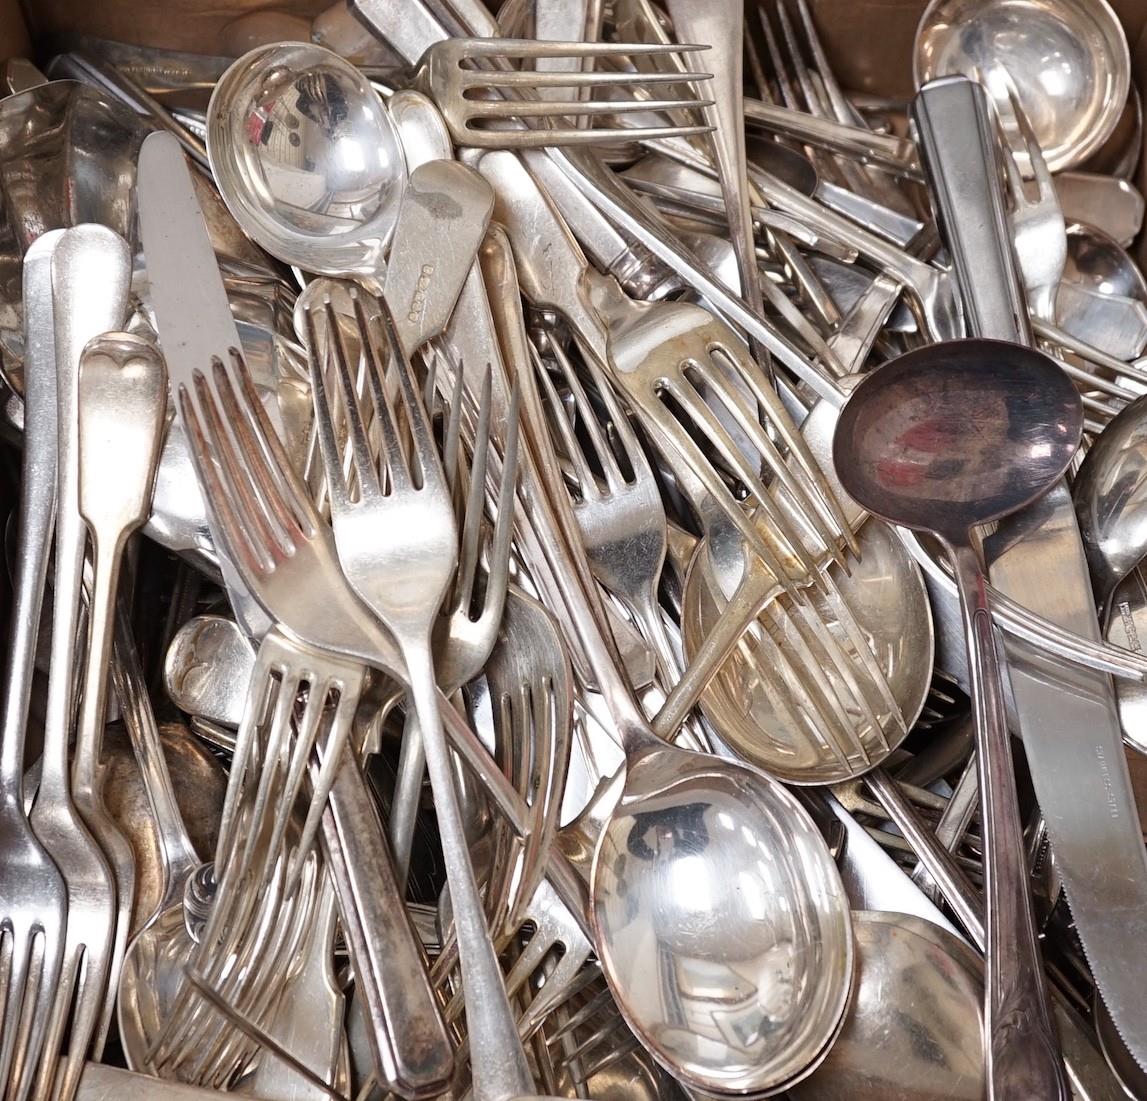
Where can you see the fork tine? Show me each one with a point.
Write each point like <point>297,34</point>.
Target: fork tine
<point>523,48</point>
<point>777,60</point>
<point>618,418</point>
<point>257,426</point>
<point>842,662</point>
<point>768,399</point>
<point>536,139</point>
<point>269,494</point>
<point>468,547</point>
<point>19,1071</point>
<point>535,721</point>
<point>336,484</point>
<point>802,637</point>
<point>841,108</point>
<point>77,1017</point>
<point>362,461</point>
<point>682,445</point>
<point>573,108</point>
<point>507,493</point>
<point>1045,183</point>
<point>715,432</point>
<point>242,530</point>
<point>804,78</point>
<point>589,418</point>
<point>421,438</point>
<point>564,78</point>
<point>452,448</point>
<point>600,1001</point>
<point>779,679</point>
<point>392,459</point>
<point>872,667</point>
<point>587,480</point>
<point>13,985</point>
<point>745,417</point>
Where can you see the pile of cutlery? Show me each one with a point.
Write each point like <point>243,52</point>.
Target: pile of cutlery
<point>567,554</point>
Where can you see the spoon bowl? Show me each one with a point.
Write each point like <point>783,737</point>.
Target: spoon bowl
<point>1110,494</point>
<point>719,870</point>
<point>913,1030</point>
<point>307,158</point>
<point>1097,261</point>
<point>1068,60</point>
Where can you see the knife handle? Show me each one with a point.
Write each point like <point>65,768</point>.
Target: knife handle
<point>1022,1048</point>
<point>957,142</point>
<point>408,1039</point>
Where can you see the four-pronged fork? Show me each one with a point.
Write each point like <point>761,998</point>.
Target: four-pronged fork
<point>488,103</point>
<point>397,545</point>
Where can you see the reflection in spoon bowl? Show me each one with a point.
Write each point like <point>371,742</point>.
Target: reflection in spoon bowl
<point>1097,261</point>
<point>721,916</point>
<point>1068,60</point>
<point>913,1030</point>
<point>307,158</point>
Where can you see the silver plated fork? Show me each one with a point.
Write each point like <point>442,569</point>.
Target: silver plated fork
<point>1037,220</point>
<point>90,272</point>
<point>397,544</point>
<point>33,898</point>
<point>619,511</point>
<point>478,91</point>
<point>284,551</point>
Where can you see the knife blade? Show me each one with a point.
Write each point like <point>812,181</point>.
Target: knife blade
<point>194,321</point>
<point>1066,714</point>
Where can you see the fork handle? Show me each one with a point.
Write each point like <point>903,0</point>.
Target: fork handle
<point>497,1060</point>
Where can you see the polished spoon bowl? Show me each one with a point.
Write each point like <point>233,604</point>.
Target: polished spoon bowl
<point>1068,60</point>
<point>1110,495</point>
<point>307,158</point>
<point>1096,261</point>
<point>913,1030</point>
<point>944,439</point>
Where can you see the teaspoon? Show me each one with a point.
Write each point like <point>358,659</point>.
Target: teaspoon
<point>944,439</point>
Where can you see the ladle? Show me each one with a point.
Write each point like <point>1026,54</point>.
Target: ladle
<point>945,439</point>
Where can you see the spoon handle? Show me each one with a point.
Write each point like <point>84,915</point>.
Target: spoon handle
<point>1022,1048</point>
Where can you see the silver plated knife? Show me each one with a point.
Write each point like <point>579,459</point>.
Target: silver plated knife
<point>1067,714</point>
<point>192,316</point>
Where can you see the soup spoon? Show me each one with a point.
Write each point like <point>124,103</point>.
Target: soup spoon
<point>944,439</point>
<point>913,1029</point>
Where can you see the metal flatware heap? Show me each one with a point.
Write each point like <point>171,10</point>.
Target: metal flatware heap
<point>569,555</point>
